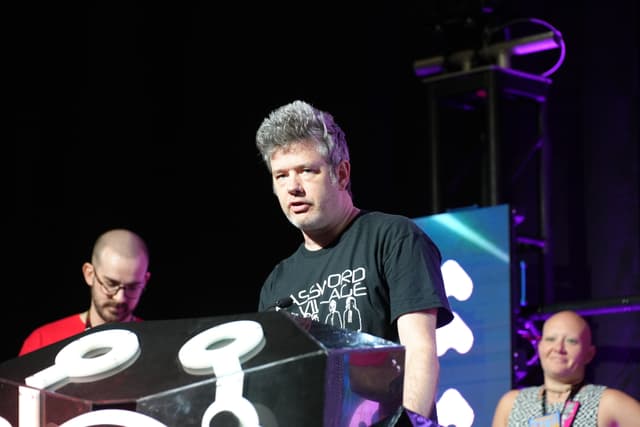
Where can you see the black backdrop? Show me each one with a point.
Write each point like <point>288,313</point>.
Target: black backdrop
<point>143,116</point>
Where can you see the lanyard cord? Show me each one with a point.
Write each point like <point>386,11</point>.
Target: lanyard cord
<point>574,390</point>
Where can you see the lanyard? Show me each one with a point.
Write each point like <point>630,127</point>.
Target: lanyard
<point>568,403</point>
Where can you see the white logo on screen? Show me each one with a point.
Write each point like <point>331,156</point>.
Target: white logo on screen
<point>456,335</point>
<point>452,407</point>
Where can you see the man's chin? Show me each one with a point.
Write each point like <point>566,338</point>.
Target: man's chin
<point>301,222</point>
<point>297,224</point>
<point>117,316</point>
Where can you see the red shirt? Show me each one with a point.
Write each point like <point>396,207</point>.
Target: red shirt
<point>53,332</point>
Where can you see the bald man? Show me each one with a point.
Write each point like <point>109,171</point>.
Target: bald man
<point>117,276</point>
<point>565,399</point>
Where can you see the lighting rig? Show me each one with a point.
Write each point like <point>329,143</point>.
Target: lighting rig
<point>499,53</point>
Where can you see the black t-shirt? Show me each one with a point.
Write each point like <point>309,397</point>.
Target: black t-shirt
<point>379,268</point>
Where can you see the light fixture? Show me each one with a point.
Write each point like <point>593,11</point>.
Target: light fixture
<point>502,52</point>
<point>499,53</point>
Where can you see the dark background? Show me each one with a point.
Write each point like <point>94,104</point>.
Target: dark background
<point>143,115</point>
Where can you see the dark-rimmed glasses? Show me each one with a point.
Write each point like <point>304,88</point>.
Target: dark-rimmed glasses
<point>130,291</point>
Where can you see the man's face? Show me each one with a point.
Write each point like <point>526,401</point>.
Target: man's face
<point>117,284</point>
<point>304,185</point>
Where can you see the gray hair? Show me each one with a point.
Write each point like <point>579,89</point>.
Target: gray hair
<point>297,121</point>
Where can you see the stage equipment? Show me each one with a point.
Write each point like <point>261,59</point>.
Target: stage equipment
<point>475,348</point>
<point>265,369</point>
<point>498,53</point>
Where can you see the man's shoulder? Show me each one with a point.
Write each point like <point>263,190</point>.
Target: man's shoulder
<point>388,222</point>
<point>381,217</point>
<point>52,332</point>
<point>56,324</point>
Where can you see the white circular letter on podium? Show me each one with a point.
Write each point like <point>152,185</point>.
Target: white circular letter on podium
<point>238,406</point>
<point>246,339</point>
<point>118,417</point>
<point>123,346</point>
<point>246,336</point>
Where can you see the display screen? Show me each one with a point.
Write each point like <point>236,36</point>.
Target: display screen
<point>475,348</point>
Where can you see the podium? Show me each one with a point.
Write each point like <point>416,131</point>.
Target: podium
<point>265,369</point>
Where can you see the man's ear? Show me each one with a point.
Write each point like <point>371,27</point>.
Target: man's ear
<point>88,272</point>
<point>344,173</point>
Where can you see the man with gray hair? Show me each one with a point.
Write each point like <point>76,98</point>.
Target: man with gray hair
<point>382,263</point>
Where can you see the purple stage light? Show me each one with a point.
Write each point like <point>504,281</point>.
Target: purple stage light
<point>534,46</point>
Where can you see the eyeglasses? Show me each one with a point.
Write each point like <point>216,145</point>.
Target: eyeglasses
<point>130,291</point>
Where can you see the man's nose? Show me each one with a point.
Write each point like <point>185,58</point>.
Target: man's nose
<point>294,185</point>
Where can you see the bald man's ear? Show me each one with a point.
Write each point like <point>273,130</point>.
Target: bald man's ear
<point>88,272</point>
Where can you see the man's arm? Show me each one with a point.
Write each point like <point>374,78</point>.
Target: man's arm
<point>417,333</point>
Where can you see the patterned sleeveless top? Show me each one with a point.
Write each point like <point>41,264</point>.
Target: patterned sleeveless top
<point>528,404</point>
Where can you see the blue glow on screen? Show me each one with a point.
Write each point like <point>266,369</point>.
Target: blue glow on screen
<point>475,348</point>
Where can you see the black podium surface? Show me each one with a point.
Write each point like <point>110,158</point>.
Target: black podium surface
<point>258,369</point>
